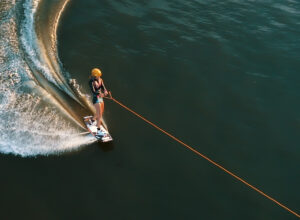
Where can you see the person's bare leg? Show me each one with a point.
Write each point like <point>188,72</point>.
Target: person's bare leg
<point>94,118</point>
<point>98,118</point>
<point>101,110</point>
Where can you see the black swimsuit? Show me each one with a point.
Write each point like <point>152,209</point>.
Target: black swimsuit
<point>96,91</point>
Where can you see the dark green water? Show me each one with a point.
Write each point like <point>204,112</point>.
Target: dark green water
<point>222,76</point>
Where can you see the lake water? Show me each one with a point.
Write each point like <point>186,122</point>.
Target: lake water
<point>223,76</point>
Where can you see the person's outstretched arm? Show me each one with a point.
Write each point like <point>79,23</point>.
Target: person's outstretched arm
<point>104,88</point>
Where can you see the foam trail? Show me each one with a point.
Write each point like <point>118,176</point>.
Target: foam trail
<point>36,52</point>
<point>33,120</point>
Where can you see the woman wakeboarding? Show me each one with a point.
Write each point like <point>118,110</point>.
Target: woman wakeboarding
<point>98,91</point>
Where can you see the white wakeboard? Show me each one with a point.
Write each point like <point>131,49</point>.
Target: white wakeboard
<point>102,135</point>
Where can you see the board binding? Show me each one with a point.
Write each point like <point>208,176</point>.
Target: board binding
<point>92,128</point>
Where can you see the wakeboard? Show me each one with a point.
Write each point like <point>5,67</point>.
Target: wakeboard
<point>103,135</point>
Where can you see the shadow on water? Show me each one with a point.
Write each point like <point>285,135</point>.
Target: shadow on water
<point>94,148</point>
<point>106,147</point>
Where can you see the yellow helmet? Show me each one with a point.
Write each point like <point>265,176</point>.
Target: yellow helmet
<point>96,72</point>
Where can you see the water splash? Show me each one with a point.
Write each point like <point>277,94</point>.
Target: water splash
<point>31,120</point>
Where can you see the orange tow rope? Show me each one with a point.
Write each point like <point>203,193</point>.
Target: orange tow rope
<point>205,157</point>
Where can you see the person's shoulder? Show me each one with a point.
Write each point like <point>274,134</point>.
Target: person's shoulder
<point>91,81</point>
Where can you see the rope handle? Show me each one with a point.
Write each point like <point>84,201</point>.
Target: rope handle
<point>108,97</point>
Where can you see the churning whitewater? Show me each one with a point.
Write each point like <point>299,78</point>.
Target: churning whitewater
<point>34,92</point>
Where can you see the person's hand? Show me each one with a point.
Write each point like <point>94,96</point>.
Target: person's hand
<point>105,93</point>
